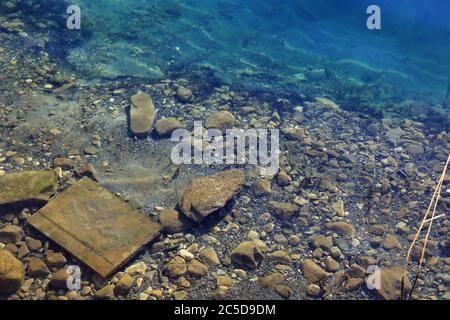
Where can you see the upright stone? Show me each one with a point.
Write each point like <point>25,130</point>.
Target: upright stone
<point>142,114</point>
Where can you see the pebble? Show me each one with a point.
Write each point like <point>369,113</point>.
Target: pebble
<point>184,94</point>
<point>221,120</point>
<point>105,293</point>
<point>263,187</point>
<point>225,281</point>
<point>55,259</point>
<point>59,279</point>
<point>353,284</point>
<point>23,252</point>
<point>313,272</point>
<point>197,269</point>
<point>34,245</point>
<point>186,255</point>
<point>175,267</point>
<point>280,256</point>
<point>284,291</point>
<point>270,280</point>
<point>11,234</point>
<point>283,179</point>
<point>313,290</point>
<point>342,228</point>
<point>391,242</point>
<point>124,284</point>
<point>331,265</point>
<point>136,269</point>
<point>249,253</point>
<point>180,295</point>
<point>209,256</point>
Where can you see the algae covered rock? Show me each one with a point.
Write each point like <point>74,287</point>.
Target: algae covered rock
<point>27,187</point>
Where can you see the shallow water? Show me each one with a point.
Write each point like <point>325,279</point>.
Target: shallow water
<point>362,116</point>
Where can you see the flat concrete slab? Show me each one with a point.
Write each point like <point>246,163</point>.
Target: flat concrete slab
<point>94,225</point>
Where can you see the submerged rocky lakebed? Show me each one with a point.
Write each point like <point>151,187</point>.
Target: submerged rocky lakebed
<point>350,193</point>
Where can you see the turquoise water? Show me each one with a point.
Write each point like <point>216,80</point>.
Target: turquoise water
<point>311,48</point>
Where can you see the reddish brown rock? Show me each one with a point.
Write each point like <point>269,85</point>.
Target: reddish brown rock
<point>205,195</point>
<point>55,259</point>
<point>12,272</point>
<point>59,279</point>
<point>37,268</point>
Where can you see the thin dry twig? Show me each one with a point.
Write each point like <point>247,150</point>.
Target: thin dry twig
<point>433,204</point>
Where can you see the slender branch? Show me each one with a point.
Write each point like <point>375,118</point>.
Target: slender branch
<point>433,204</point>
